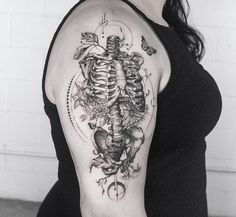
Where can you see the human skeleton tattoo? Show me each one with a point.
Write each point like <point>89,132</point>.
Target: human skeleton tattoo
<point>112,93</point>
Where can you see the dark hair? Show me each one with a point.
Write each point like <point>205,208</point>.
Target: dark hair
<point>176,16</point>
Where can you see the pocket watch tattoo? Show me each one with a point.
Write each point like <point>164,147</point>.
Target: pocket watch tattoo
<point>111,92</point>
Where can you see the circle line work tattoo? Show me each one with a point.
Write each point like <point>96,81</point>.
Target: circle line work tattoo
<point>112,93</point>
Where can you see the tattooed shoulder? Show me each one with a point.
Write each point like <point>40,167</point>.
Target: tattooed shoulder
<point>112,94</point>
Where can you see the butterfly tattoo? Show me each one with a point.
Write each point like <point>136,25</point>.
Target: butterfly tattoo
<point>149,49</point>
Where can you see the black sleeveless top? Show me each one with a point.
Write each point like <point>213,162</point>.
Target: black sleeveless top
<point>188,109</point>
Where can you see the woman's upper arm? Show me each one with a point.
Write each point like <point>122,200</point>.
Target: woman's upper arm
<point>105,91</point>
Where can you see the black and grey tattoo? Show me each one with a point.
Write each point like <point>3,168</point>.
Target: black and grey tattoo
<point>149,49</point>
<point>113,94</point>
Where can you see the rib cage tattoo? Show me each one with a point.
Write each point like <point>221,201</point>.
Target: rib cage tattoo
<point>113,94</point>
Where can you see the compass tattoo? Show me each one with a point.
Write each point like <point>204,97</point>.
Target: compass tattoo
<point>113,94</point>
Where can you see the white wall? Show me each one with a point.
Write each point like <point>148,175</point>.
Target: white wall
<point>217,21</point>
<point>27,158</point>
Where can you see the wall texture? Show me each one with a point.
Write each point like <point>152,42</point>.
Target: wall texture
<point>27,158</point>
<point>217,21</point>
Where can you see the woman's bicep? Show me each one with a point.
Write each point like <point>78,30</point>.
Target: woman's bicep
<point>108,136</point>
<point>106,98</point>
<point>108,118</point>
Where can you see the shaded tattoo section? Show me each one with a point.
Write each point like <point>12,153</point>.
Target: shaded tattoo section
<point>110,95</point>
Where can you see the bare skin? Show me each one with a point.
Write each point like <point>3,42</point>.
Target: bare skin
<point>104,74</point>
<point>153,10</point>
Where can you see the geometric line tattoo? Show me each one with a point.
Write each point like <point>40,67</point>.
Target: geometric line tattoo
<point>113,94</point>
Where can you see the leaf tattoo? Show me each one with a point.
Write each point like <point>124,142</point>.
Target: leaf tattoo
<point>111,93</point>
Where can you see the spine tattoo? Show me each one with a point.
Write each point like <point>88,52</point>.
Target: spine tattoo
<point>113,94</point>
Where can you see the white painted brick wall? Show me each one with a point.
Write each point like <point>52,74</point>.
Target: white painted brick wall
<point>31,97</point>
<point>27,158</point>
<point>3,123</point>
<point>28,166</point>
<point>227,50</point>
<point>5,36</point>
<point>217,21</point>
<point>22,6</point>
<point>62,7</point>
<point>3,94</point>
<point>27,67</point>
<point>34,31</point>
